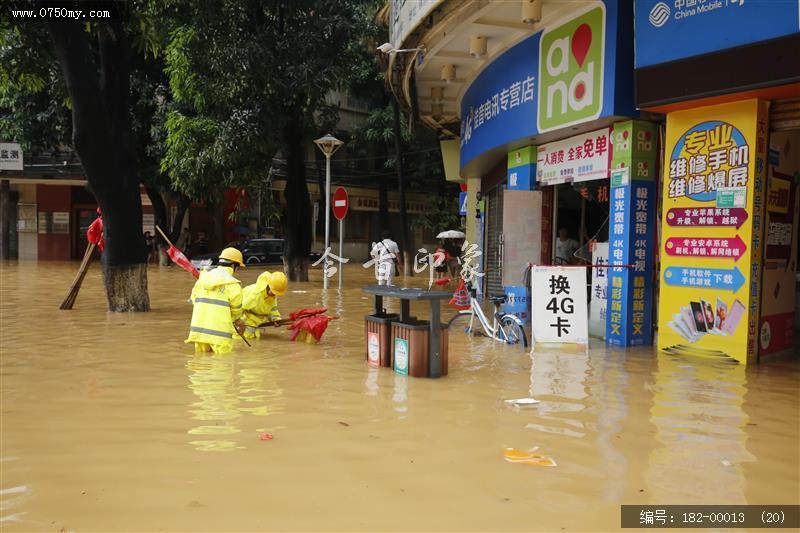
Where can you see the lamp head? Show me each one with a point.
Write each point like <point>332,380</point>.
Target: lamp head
<point>386,48</point>
<point>328,144</point>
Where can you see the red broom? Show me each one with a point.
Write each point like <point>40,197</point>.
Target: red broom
<point>311,328</point>
<point>307,324</point>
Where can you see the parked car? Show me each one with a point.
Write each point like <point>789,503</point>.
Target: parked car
<point>254,251</point>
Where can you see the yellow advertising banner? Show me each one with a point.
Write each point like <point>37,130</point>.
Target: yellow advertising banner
<point>712,228</point>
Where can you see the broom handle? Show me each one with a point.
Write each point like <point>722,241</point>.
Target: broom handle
<point>165,237</point>
<point>283,321</point>
<point>72,292</point>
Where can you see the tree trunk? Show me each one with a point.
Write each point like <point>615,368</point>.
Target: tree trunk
<point>405,244</point>
<point>5,219</point>
<point>182,206</point>
<point>161,219</point>
<point>320,222</point>
<point>126,287</point>
<point>216,240</point>
<point>99,84</point>
<point>297,215</point>
<point>383,195</point>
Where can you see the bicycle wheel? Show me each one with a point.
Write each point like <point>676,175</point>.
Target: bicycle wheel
<point>512,332</point>
<point>460,320</point>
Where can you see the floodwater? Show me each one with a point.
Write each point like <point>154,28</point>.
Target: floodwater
<point>111,423</point>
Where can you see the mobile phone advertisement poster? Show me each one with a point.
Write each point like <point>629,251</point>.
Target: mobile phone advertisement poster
<point>712,227</point>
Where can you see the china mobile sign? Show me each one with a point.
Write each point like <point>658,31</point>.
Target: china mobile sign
<point>668,30</point>
<point>565,75</point>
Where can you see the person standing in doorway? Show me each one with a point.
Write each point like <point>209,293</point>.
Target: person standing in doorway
<point>565,247</point>
<point>384,254</point>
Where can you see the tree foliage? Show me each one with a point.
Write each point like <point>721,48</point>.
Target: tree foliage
<point>250,80</point>
<point>33,99</point>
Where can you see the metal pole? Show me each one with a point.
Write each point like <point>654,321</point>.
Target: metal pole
<point>434,355</point>
<point>341,245</point>
<point>327,218</point>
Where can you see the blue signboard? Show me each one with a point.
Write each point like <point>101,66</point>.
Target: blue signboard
<point>630,287</point>
<point>462,204</point>
<point>517,302</point>
<point>521,178</point>
<point>667,30</point>
<point>571,72</point>
<point>710,278</point>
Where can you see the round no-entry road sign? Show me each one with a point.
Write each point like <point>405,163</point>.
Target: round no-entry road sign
<point>340,203</point>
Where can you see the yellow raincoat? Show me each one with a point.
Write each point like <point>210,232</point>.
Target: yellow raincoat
<point>217,300</point>
<point>258,307</point>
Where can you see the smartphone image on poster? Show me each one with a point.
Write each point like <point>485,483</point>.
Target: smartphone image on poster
<point>679,327</point>
<point>697,316</point>
<point>721,315</point>
<point>708,314</point>
<point>688,320</point>
<point>733,318</point>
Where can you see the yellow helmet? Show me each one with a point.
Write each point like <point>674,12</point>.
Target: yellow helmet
<point>278,283</point>
<point>233,255</point>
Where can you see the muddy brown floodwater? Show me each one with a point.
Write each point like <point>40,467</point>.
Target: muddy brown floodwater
<point>110,422</point>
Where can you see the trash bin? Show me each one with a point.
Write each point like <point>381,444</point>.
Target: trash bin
<point>410,347</point>
<point>379,340</point>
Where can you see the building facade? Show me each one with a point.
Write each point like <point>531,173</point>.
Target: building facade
<point>569,116</point>
<point>729,220</point>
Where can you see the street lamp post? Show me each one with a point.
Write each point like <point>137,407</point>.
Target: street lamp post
<point>328,145</point>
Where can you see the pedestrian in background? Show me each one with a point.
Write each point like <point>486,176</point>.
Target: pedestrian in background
<point>384,254</point>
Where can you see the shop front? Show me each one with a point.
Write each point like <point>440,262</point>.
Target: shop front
<point>544,126</point>
<point>729,220</point>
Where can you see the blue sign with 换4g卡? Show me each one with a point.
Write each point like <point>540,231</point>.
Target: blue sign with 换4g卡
<point>462,204</point>
<point>668,30</point>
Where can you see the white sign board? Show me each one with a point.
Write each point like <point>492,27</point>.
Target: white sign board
<point>584,157</point>
<point>10,156</point>
<point>407,15</point>
<point>598,289</point>
<point>60,222</point>
<point>559,307</point>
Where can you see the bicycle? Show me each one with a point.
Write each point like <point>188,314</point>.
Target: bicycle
<point>505,327</point>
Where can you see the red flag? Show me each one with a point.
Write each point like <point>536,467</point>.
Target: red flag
<point>95,233</point>
<point>179,259</point>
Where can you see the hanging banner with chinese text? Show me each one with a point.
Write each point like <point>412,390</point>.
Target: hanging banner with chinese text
<point>559,311</point>
<point>599,288</point>
<point>581,158</point>
<point>714,193</point>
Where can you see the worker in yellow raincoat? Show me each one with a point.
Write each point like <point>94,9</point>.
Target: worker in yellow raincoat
<point>217,300</point>
<point>260,301</point>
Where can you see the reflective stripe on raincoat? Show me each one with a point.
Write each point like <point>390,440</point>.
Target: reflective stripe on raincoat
<point>258,307</point>
<point>217,299</point>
